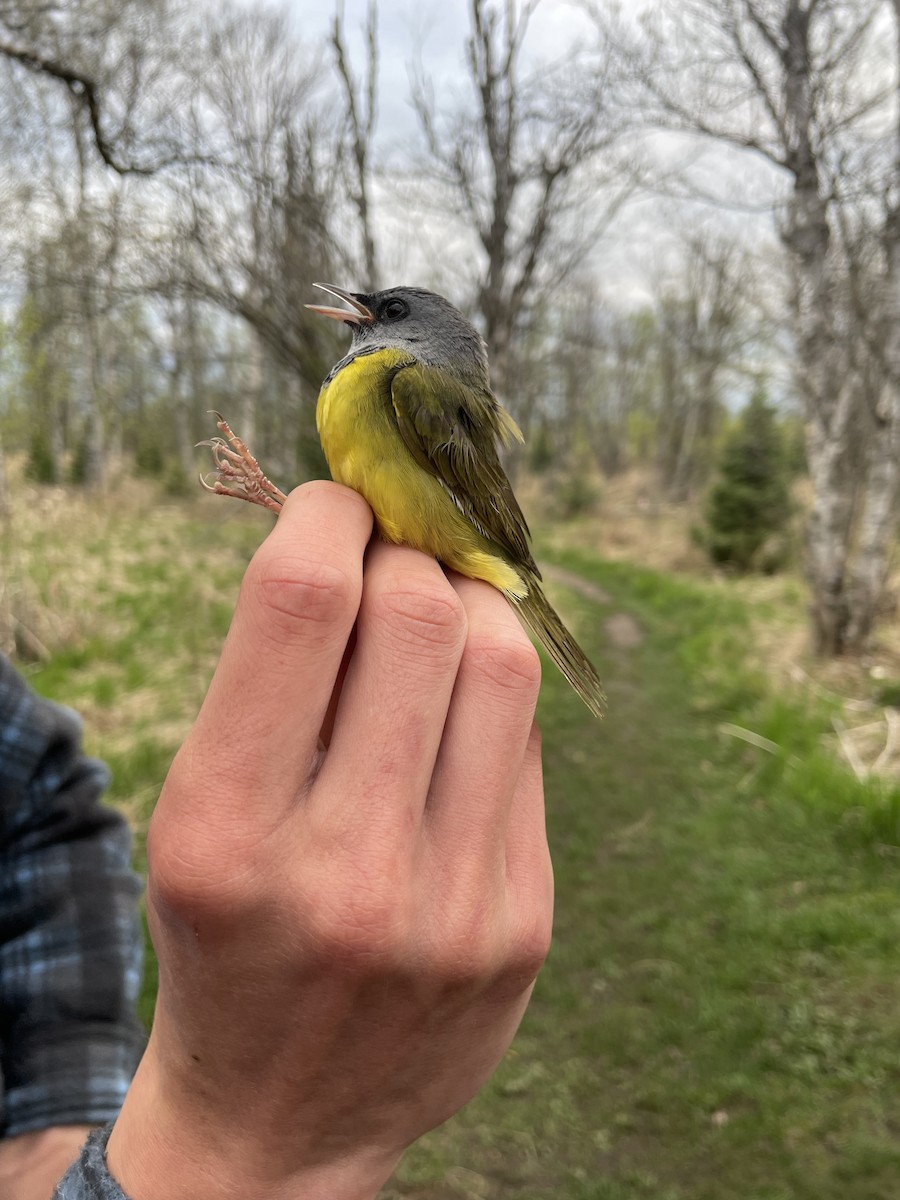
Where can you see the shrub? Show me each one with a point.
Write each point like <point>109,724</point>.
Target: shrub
<point>749,506</point>
<point>41,466</point>
<point>575,495</point>
<point>541,449</point>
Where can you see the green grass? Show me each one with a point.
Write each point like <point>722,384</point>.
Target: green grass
<point>718,1019</point>
<point>719,1016</point>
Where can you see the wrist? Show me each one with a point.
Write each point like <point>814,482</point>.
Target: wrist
<point>31,1164</point>
<point>163,1147</point>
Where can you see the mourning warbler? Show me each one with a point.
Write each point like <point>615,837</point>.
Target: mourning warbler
<point>408,419</point>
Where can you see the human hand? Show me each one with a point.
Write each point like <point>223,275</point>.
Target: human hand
<point>31,1164</point>
<point>347,938</point>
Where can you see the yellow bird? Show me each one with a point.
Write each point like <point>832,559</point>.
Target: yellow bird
<point>408,419</point>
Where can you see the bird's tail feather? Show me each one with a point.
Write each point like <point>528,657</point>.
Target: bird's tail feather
<point>541,618</point>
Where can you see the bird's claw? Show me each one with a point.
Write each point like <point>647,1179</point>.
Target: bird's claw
<point>237,473</point>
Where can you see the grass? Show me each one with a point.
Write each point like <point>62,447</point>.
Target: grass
<point>719,1016</point>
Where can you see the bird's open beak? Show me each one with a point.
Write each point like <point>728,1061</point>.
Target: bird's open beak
<point>357,314</point>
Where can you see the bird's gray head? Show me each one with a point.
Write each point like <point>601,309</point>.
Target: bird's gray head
<point>422,323</point>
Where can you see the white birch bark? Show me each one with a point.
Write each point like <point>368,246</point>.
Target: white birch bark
<point>879,515</point>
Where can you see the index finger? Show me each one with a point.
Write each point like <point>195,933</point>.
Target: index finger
<point>262,715</point>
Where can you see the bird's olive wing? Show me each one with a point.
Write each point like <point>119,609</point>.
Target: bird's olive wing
<point>452,428</point>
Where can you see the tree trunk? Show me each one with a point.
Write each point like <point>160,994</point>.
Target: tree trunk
<point>180,413</point>
<point>94,440</point>
<point>829,523</point>
<point>880,511</point>
<point>825,383</point>
<point>4,494</point>
<point>187,400</point>
<point>876,525</point>
<point>826,386</point>
<point>700,403</point>
<point>254,391</point>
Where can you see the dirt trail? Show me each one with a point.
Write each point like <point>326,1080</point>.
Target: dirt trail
<point>621,628</point>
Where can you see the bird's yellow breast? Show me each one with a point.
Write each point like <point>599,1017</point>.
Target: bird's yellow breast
<point>364,450</point>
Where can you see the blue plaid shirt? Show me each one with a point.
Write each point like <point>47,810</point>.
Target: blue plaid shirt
<point>70,939</point>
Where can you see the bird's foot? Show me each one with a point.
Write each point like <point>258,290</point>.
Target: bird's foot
<point>237,473</point>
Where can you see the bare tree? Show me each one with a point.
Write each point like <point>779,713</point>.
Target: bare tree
<point>801,84</point>
<point>624,400</point>
<point>703,330</point>
<point>510,164</point>
<point>180,161</point>
<point>250,235</point>
<point>93,96</point>
<point>73,266</point>
<point>101,55</point>
<point>361,100</point>
<point>598,372</point>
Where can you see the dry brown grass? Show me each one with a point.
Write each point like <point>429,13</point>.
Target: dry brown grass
<point>630,523</point>
<point>116,604</point>
<point>100,572</point>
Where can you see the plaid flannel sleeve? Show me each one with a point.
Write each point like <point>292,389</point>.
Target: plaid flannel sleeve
<point>70,939</point>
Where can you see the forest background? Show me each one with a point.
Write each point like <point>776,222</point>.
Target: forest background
<point>678,227</point>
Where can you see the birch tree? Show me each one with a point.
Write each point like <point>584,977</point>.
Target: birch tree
<point>805,86</point>
<point>879,510</point>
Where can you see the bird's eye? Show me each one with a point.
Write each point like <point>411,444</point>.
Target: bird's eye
<point>395,309</point>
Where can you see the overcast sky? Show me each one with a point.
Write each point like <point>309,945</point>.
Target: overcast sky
<point>434,32</point>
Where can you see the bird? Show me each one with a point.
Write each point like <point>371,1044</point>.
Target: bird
<point>408,419</point>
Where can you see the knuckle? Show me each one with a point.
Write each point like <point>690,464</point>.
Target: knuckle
<point>522,960</point>
<point>424,612</point>
<point>529,948</point>
<point>198,873</point>
<point>298,593</point>
<point>507,660</point>
<point>188,881</point>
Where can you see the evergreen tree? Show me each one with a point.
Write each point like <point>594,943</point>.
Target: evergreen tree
<point>749,506</point>
<point>42,466</point>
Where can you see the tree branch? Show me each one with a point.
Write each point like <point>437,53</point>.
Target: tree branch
<point>85,94</point>
<point>362,127</point>
<point>84,90</point>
